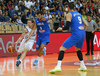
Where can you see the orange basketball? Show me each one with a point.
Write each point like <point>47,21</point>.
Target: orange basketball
<point>11,49</point>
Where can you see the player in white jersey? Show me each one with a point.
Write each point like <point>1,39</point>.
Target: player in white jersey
<point>25,46</point>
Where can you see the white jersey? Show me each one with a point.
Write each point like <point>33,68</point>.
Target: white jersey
<point>27,34</point>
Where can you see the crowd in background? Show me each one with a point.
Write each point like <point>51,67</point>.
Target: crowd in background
<point>19,11</point>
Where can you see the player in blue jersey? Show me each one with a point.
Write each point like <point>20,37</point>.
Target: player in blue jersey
<point>43,34</point>
<point>75,21</point>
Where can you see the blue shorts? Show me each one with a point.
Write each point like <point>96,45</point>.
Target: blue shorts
<point>75,39</point>
<point>44,39</point>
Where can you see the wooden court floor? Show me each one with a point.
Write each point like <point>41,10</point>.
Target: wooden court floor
<point>69,66</point>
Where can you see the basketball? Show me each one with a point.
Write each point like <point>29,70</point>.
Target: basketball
<point>11,49</point>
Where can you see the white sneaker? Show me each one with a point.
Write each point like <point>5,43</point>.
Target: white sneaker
<point>82,68</point>
<point>57,69</point>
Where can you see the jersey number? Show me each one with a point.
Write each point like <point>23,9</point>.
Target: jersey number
<point>80,20</point>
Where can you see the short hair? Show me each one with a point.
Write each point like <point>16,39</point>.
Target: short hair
<point>88,14</point>
<point>31,20</point>
<point>71,5</point>
<point>40,12</point>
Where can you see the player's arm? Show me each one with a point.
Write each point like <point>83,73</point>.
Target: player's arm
<point>68,21</point>
<point>31,33</point>
<point>85,23</point>
<point>22,35</point>
<point>94,23</point>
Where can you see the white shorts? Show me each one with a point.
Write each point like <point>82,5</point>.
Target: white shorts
<point>28,44</point>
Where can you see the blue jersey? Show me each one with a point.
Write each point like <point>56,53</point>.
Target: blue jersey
<point>42,27</point>
<point>76,22</point>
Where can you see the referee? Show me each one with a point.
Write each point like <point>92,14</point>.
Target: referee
<point>90,34</point>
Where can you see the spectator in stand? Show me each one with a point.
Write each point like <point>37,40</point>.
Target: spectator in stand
<point>48,15</point>
<point>37,7</point>
<point>91,11</point>
<point>78,5</point>
<point>17,7</point>
<point>1,3</point>
<point>24,18</point>
<point>22,6</point>
<point>3,9</point>
<point>83,8</point>
<point>14,19</point>
<point>90,5</point>
<point>15,2</point>
<point>30,13</point>
<point>28,4</point>
<point>6,17</point>
<point>9,5</point>
<point>95,5</point>
<point>1,17</point>
<point>19,20</point>
<point>51,7</point>
<point>84,15</point>
<point>11,12</point>
<point>33,2</point>
<point>19,12</point>
<point>34,10</point>
<point>60,10</point>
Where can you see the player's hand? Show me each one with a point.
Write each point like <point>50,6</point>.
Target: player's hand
<point>15,43</point>
<point>26,40</point>
<point>92,32</point>
<point>44,19</point>
<point>59,29</point>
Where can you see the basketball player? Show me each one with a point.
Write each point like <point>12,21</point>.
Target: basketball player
<point>75,21</point>
<point>28,45</point>
<point>43,34</point>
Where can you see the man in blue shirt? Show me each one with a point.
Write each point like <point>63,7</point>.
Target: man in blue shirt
<point>43,34</point>
<point>75,21</point>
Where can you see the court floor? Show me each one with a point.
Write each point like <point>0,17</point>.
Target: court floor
<point>69,66</point>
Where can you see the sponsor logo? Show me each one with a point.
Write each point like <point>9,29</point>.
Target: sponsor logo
<point>96,41</point>
<point>41,31</point>
<point>40,23</point>
<point>81,28</point>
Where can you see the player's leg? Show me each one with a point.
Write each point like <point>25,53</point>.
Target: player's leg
<point>19,52</point>
<point>40,52</point>
<point>66,45</point>
<point>79,46</point>
<point>80,57</point>
<point>87,41</point>
<point>40,46</point>
<point>92,46</point>
<point>60,58</point>
<point>18,62</point>
<point>27,47</point>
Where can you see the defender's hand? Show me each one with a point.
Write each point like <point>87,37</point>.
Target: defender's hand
<point>59,29</point>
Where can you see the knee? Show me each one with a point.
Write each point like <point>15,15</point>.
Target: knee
<point>62,48</point>
<point>77,49</point>
<point>41,48</point>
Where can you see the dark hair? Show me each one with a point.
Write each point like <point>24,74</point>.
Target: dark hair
<point>71,5</point>
<point>40,12</point>
<point>88,14</point>
<point>31,20</point>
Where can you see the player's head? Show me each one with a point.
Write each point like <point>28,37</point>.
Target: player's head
<point>71,6</point>
<point>30,22</point>
<point>39,14</point>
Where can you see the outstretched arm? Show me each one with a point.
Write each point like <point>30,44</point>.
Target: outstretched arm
<point>20,38</point>
<point>85,23</point>
<point>68,21</point>
<point>31,33</point>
